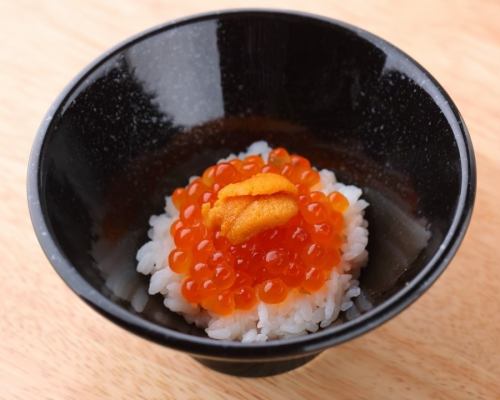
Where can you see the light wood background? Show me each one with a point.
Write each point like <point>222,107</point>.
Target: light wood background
<point>52,346</point>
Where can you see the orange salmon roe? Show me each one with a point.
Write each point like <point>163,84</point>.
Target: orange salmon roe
<point>339,202</point>
<point>297,256</point>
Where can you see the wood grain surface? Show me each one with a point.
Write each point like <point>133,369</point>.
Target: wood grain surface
<point>52,346</point>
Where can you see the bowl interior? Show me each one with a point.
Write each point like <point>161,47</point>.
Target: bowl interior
<point>166,106</point>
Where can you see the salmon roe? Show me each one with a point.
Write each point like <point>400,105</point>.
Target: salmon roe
<point>299,255</point>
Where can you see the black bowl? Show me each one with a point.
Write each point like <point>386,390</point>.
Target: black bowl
<point>164,105</point>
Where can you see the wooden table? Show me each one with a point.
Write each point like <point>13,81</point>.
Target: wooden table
<point>52,346</point>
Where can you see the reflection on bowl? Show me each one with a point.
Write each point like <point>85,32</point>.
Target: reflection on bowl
<point>166,104</point>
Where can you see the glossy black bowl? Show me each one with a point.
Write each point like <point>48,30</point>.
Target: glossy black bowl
<point>166,104</point>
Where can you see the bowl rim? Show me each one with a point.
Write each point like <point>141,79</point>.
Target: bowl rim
<point>281,348</point>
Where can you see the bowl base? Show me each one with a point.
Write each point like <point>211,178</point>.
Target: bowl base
<point>255,369</point>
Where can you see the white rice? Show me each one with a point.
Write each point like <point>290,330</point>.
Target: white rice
<point>300,313</point>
